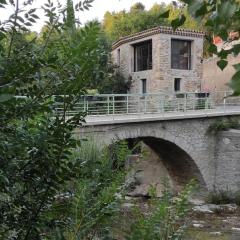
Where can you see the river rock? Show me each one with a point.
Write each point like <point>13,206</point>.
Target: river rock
<point>215,233</point>
<point>213,208</point>
<point>236,229</point>
<point>128,205</point>
<point>203,209</point>
<point>198,225</point>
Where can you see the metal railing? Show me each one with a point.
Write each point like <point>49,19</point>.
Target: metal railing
<point>123,104</point>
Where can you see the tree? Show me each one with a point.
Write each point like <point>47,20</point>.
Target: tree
<point>36,141</point>
<point>137,8</point>
<point>124,23</point>
<point>70,19</point>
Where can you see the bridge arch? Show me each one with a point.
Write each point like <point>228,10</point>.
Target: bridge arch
<point>175,155</point>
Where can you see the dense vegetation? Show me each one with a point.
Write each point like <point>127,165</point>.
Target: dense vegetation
<point>120,24</point>
<point>52,185</point>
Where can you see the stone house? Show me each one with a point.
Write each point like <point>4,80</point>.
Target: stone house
<point>160,59</point>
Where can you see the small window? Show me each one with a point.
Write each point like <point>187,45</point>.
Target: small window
<point>180,54</point>
<point>118,57</point>
<point>144,86</point>
<point>143,56</point>
<point>177,84</point>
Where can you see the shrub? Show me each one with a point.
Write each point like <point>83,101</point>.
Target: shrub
<point>166,221</point>
<point>224,124</point>
<point>223,197</point>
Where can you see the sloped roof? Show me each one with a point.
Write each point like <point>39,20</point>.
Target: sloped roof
<point>157,30</point>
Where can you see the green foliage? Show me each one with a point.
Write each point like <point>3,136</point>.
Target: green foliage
<point>35,143</point>
<point>115,83</point>
<point>223,197</point>
<point>164,219</point>
<point>94,201</point>
<point>124,23</point>
<point>224,124</point>
<point>70,19</point>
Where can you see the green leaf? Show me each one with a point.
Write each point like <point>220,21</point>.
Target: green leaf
<point>165,14</point>
<point>212,48</point>
<point>20,19</point>
<point>35,16</point>
<point>2,36</point>
<point>223,34</point>
<point>237,67</point>
<point>4,97</point>
<point>178,22</point>
<point>194,6</point>
<point>202,10</point>
<point>223,54</point>
<point>236,49</point>
<point>226,9</point>
<point>3,1</point>
<point>222,64</point>
<point>235,83</point>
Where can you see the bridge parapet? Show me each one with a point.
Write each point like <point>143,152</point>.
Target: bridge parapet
<point>153,103</point>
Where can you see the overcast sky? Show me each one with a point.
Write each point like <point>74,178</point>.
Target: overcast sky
<point>96,12</point>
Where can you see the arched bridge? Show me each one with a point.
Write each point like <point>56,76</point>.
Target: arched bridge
<point>176,128</point>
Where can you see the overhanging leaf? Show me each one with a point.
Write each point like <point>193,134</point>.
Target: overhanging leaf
<point>237,67</point>
<point>235,83</point>
<point>4,97</point>
<point>178,22</point>
<point>165,14</point>
<point>222,64</point>
<point>212,48</point>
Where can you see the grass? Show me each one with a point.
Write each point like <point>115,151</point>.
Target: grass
<point>193,234</point>
<point>223,197</point>
<point>224,125</point>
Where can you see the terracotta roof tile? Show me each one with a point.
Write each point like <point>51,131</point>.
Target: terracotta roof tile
<point>157,30</point>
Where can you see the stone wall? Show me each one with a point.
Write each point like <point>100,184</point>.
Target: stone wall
<point>227,175</point>
<point>161,77</point>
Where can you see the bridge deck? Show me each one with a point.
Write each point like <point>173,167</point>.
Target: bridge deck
<point>93,120</point>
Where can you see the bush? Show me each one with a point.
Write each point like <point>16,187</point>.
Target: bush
<point>224,124</point>
<point>166,221</point>
<point>223,197</point>
<point>94,197</point>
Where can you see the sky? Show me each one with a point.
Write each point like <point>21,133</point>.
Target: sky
<point>96,12</point>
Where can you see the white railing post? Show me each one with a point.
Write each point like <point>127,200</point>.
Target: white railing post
<point>185,102</point>
<point>159,101</point>
<point>139,103</point>
<point>206,102</point>
<point>108,105</point>
<point>162,105</point>
<point>113,100</point>
<point>87,107</point>
<point>224,101</point>
<point>84,104</point>
<point>145,104</point>
<point>127,105</point>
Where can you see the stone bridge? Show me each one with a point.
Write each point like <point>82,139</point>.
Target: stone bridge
<point>181,140</point>
<point>186,147</point>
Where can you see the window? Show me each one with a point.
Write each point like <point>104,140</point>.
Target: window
<point>177,84</point>
<point>118,57</point>
<point>180,54</point>
<point>144,86</point>
<point>143,56</point>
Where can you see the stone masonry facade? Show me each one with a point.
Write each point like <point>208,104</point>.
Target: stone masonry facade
<point>161,77</point>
